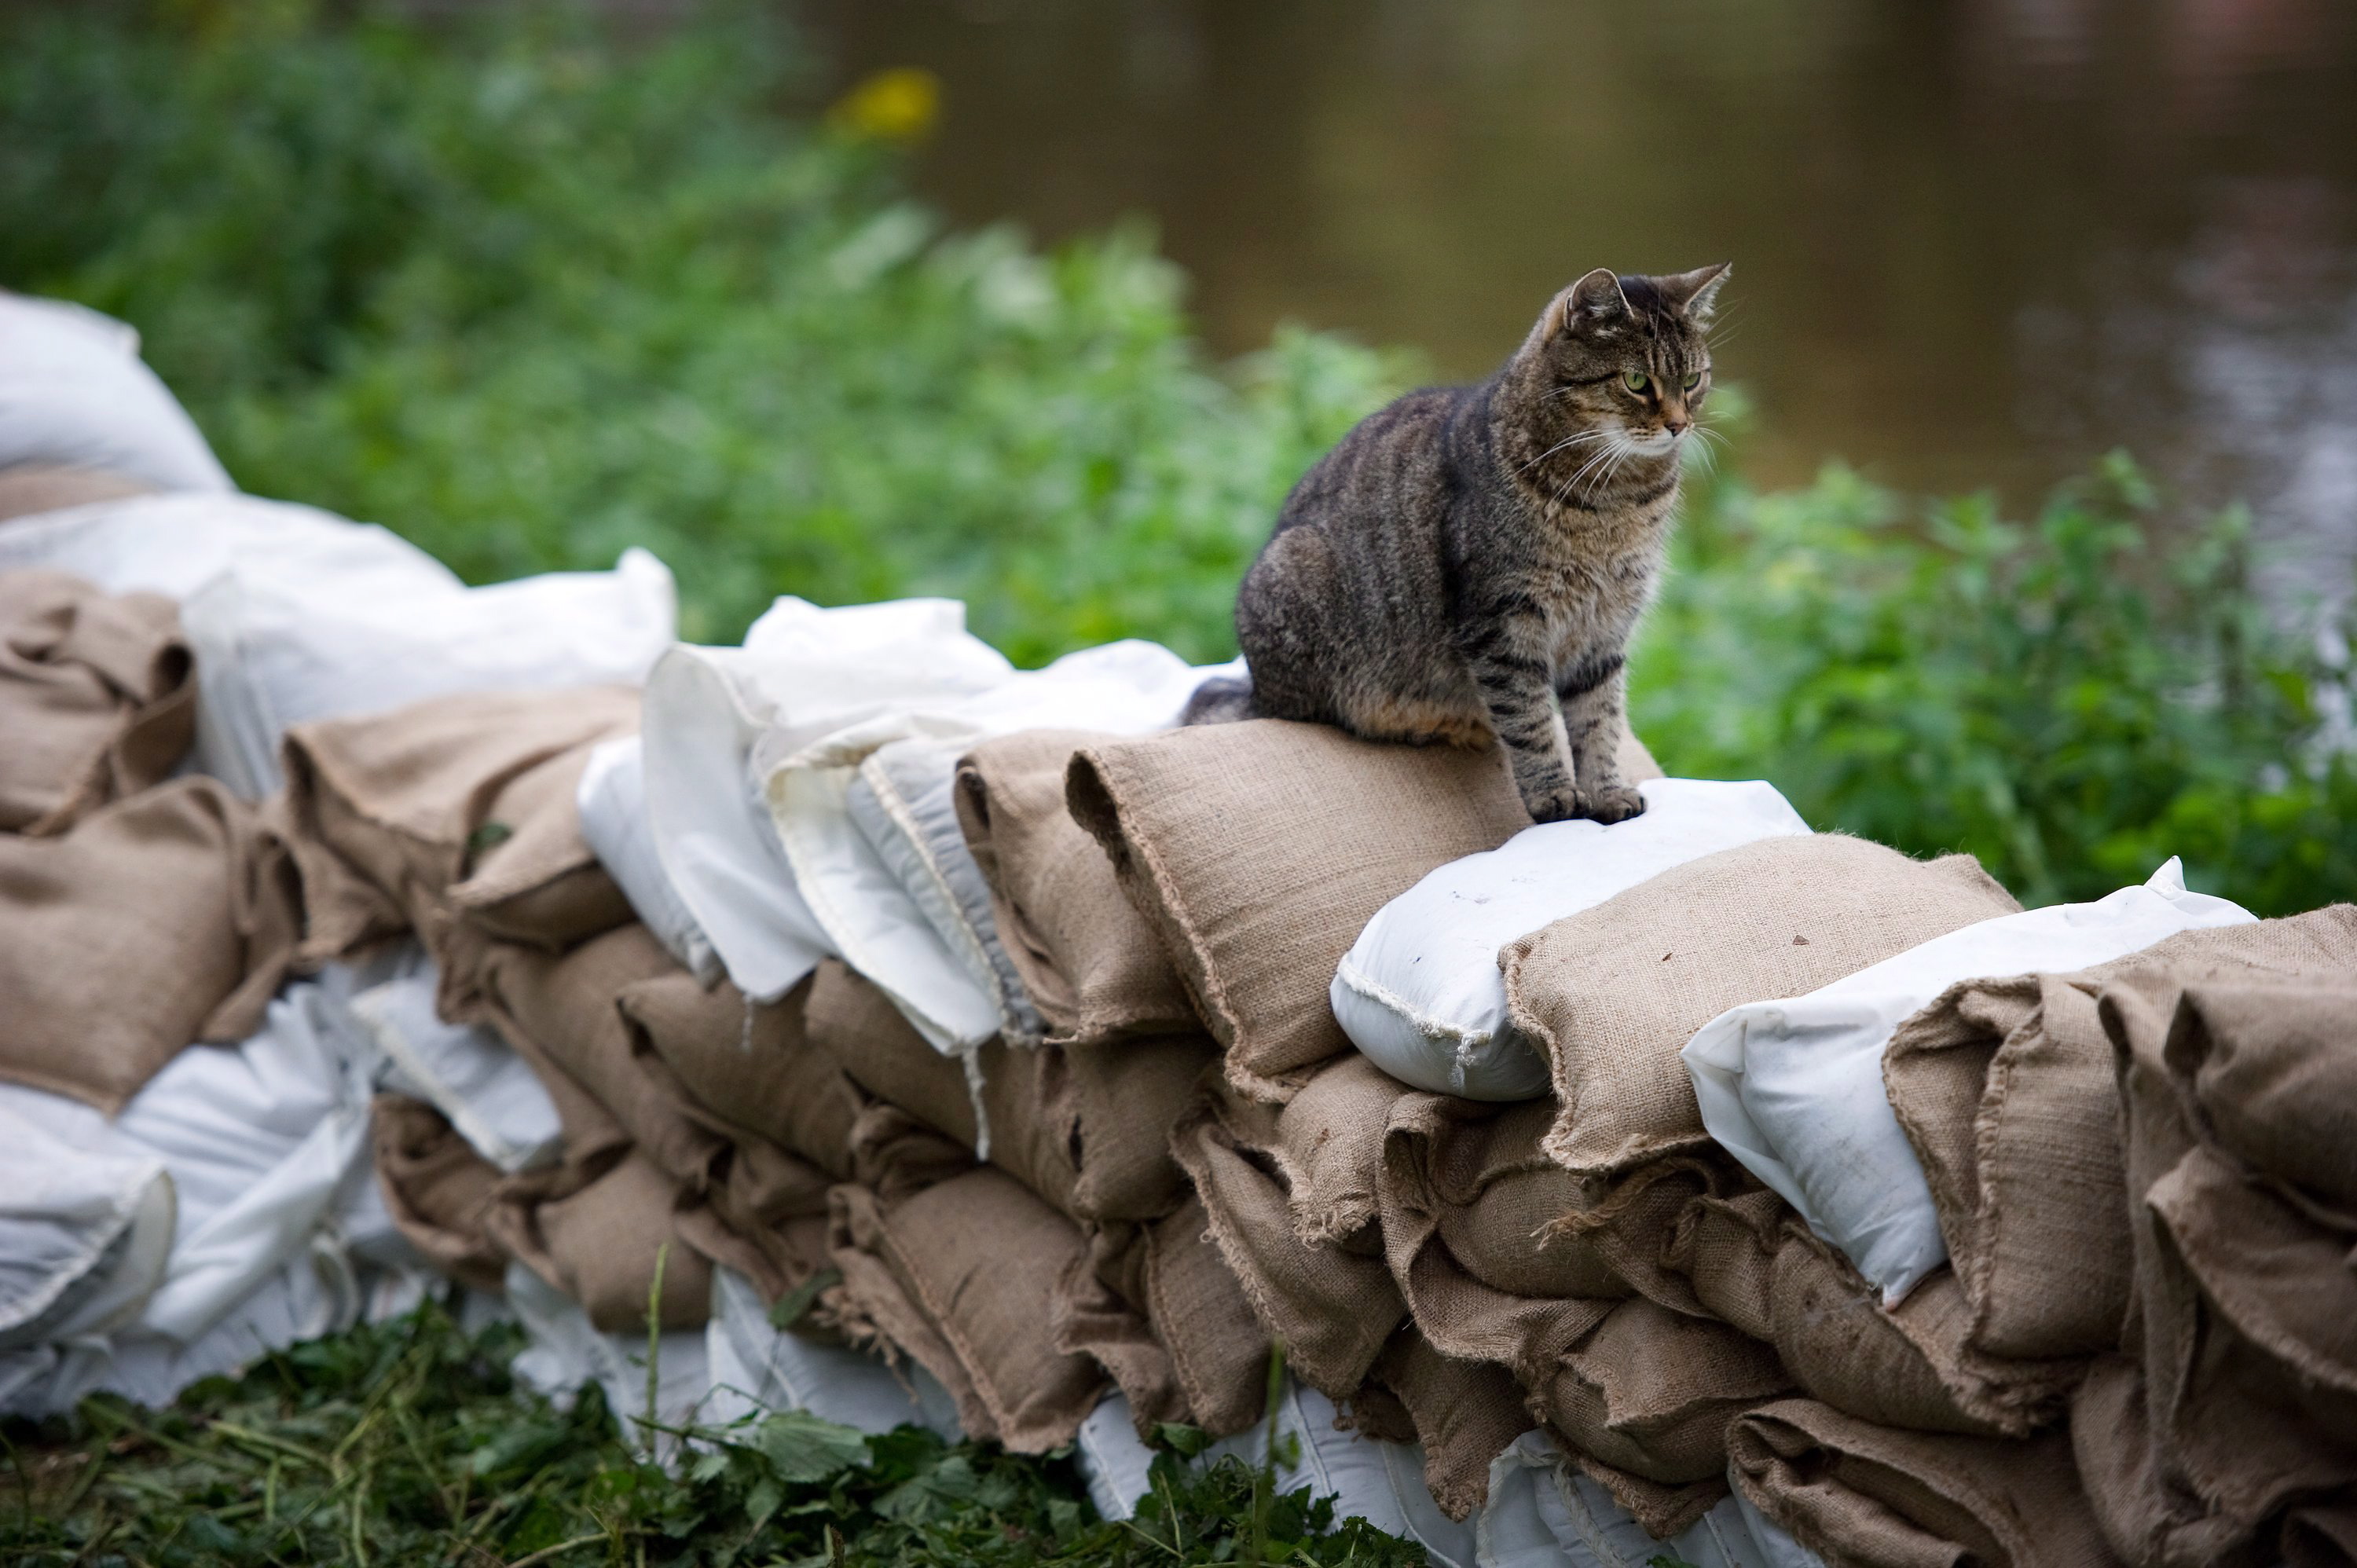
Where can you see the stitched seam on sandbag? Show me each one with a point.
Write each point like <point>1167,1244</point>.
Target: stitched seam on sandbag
<point>888,797</point>
<point>1434,1028</point>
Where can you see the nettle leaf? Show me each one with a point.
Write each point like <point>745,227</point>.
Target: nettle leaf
<point>803,1448</point>
<point>1181,1439</point>
<point>796,1304</point>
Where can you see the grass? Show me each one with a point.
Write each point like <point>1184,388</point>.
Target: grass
<point>408,1444</point>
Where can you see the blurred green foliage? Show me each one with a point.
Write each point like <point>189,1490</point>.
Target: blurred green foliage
<point>529,293</point>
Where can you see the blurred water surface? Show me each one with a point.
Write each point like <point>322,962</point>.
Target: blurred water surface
<point>1976,241</point>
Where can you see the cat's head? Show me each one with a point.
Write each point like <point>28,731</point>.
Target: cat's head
<point>1626,356</point>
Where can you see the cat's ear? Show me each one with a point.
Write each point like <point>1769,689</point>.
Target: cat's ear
<point>1695,292</point>
<point>1595,301</point>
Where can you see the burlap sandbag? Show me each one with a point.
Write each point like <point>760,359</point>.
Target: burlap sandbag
<point>977,1259</point>
<point>1863,1496</point>
<point>454,817</point>
<point>596,1238</point>
<point>1121,1101</point>
<point>2007,1089</point>
<point>1087,957</point>
<point>562,1016</point>
<point>853,1024</point>
<point>1613,994</point>
<point>1651,1392</point>
<point>1334,1308</point>
<point>159,921</point>
<point>1259,850</point>
<point>1464,1412</point>
<point>98,698</point>
<point>749,1071</point>
<point>437,1189</point>
<point>2235,1397</point>
<point>1100,1312</point>
<point>27,489</point>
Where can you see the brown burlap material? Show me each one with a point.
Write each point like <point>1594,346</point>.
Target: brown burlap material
<point>98,698</point>
<point>154,922</point>
<point>747,1070</point>
<point>1613,994</point>
<point>596,1238</point>
<point>1259,851</point>
<point>1333,1308</point>
<point>1863,1496</point>
<point>1085,955</point>
<point>1329,1148</point>
<point>455,818</point>
<point>975,1262</point>
<point>1101,1312</point>
<point>27,489</point>
<point>2007,1089</point>
<point>437,1189</point>
<point>853,1024</point>
<point>1464,1412</point>
<point>562,1013</point>
<point>2233,1399</point>
<point>1651,1392</point>
<point>1120,1100</point>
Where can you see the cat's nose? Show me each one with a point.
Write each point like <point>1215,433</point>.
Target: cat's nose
<point>1676,424</point>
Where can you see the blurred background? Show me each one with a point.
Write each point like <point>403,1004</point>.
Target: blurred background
<point>2035,532</point>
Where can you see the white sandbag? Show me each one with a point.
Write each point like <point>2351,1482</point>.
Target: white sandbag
<point>755,1367</point>
<point>875,923</point>
<point>613,804</point>
<point>1420,992</point>
<point>487,1092</point>
<point>273,649</point>
<point>175,544</point>
<point>1794,1087</point>
<point>85,1227</point>
<point>903,801</point>
<point>1542,1513</point>
<point>1380,1482</point>
<point>74,391</point>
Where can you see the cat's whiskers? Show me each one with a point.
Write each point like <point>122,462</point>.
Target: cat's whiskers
<point>1617,441</point>
<point>1568,441</point>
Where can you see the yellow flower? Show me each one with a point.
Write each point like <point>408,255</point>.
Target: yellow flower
<point>897,105</point>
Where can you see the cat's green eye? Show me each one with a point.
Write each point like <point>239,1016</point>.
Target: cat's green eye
<point>1636,379</point>
<point>1693,379</point>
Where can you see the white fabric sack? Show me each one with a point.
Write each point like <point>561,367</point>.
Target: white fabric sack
<point>802,673</point>
<point>489,1094</point>
<point>1542,1513</point>
<point>274,650</point>
<point>176,544</point>
<point>876,923</point>
<point>74,391</point>
<point>755,1367</point>
<point>903,801</point>
<point>85,1227</point>
<point>613,805</point>
<point>1420,992</point>
<point>1794,1087</point>
<point>1380,1482</point>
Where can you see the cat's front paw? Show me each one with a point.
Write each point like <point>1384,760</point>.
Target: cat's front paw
<point>1611,803</point>
<point>1561,803</point>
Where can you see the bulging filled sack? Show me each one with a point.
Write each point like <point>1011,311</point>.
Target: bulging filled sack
<point>1419,991</point>
<point>1260,850</point>
<point>2231,1407</point>
<point>1613,994</point>
<point>1863,1496</point>
<point>1088,962</point>
<point>97,698</point>
<point>159,921</point>
<point>1794,1087</point>
<point>74,391</point>
<point>439,1191</point>
<point>604,1239</point>
<point>962,1276</point>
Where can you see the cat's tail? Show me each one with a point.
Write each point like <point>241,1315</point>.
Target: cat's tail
<point>1220,699</point>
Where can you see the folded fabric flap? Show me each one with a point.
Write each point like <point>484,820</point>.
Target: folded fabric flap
<point>1198,1309</point>
<point>1088,963</point>
<point>1101,1311</point>
<point>1465,1414</point>
<point>97,697</point>
<point>1651,1392</point>
<point>439,1191</point>
<point>1121,1101</point>
<point>599,1241</point>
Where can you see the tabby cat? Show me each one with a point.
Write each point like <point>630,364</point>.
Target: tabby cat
<point>1468,564</point>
